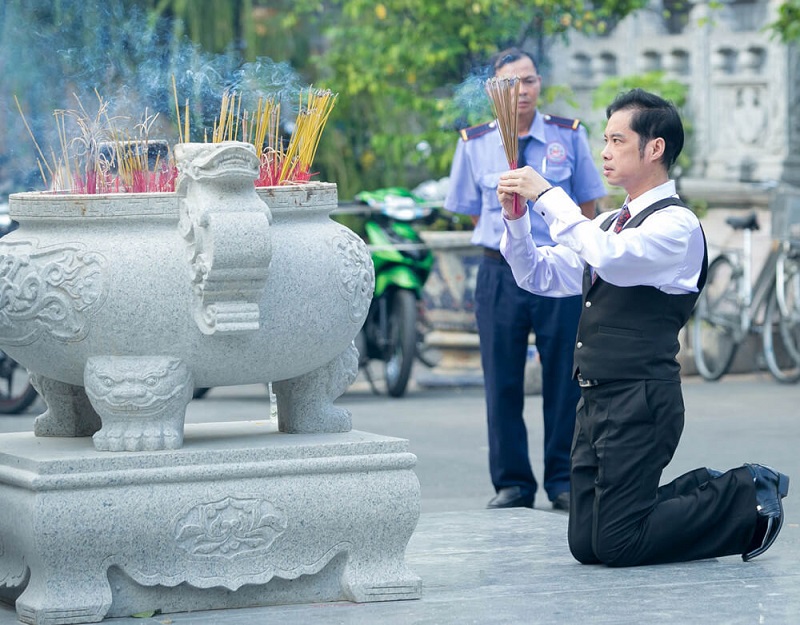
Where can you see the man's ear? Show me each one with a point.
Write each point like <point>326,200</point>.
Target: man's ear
<point>655,149</point>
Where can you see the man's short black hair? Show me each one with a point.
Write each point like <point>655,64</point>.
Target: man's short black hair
<point>509,55</point>
<point>652,117</point>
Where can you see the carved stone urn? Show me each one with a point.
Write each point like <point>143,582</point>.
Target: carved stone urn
<point>119,305</point>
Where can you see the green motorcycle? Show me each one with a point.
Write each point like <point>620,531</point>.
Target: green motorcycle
<point>393,331</point>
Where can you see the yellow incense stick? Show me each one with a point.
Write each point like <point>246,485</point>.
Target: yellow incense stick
<point>177,108</point>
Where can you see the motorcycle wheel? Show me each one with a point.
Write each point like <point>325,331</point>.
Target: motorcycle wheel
<point>16,391</point>
<point>402,344</point>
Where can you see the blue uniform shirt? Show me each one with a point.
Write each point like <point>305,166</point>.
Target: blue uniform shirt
<point>558,151</point>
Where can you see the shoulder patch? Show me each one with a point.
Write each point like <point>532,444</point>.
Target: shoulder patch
<point>476,131</point>
<point>564,122</point>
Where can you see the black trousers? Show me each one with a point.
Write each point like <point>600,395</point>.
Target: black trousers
<point>626,434</point>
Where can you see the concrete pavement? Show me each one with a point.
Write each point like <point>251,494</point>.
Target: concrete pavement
<point>513,566</point>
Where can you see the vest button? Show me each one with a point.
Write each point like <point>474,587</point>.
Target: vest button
<point>579,345</point>
<point>588,304</point>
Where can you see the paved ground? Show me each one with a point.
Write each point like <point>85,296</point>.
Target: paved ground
<point>480,566</point>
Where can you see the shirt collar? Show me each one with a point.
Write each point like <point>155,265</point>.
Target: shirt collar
<point>649,197</point>
<point>537,129</point>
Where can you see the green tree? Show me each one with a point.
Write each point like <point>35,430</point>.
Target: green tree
<point>397,63</point>
<point>787,25</point>
<point>669,89</point>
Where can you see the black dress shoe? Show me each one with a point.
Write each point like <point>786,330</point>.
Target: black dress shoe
<point>771,488</point>
<point>511,497</point>
<point>561,502</point>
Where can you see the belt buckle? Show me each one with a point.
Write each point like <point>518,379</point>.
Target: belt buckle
<point>584,383</point>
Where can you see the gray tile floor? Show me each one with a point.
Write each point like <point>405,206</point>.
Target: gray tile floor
<point>512,566</point>
<point>490,567</point>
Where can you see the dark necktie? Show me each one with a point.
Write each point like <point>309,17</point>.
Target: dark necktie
<point>622,219</point>
<point>624,216</point>
<point>522,143</point>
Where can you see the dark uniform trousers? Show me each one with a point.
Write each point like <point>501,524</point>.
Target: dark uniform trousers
<point>626,433</point>
<point>506,314</point>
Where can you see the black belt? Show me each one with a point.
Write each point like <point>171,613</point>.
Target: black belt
<point>493,254</point>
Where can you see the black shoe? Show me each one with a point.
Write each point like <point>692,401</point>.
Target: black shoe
<point>511,497</point>
<point>561,502</point>
<point>771,488</point>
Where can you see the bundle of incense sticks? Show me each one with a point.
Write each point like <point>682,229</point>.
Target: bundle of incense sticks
<point>99,156</point>
<point>281,162</point>
<point>314,110</point>
<point>504,95</point>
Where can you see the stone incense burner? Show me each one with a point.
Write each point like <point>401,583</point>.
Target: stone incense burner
<point>119,305</point>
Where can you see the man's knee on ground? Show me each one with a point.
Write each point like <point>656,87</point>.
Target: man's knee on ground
<point>612,553</point>
<point>581,549</point>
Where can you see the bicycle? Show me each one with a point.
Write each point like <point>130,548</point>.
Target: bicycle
<point>732,307</point>
<point>784,309</point>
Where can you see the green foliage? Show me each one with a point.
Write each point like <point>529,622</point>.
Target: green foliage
<point>406,71</point>
<point>787,26</point>
<point>654,82</point>
<point>410,70</point>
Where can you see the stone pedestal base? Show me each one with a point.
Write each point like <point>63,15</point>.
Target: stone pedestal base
<point>241,516</point>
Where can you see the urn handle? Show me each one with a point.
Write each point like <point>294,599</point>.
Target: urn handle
<point>227,230</point>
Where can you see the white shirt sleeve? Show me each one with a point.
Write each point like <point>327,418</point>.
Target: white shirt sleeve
<point>665,251</point>
<point>553,271</point>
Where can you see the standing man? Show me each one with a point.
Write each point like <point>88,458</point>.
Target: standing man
<point>506,315</point>
<point>640,280</point>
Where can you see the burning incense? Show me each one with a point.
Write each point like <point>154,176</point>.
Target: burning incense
<point>310,124</point>
<point>504,95</point>
<point>177,109</point>
<point>97,156</point>
<point>41,161</point>
<point>279,164</point>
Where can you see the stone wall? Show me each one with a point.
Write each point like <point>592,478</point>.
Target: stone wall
<point>743,86</point>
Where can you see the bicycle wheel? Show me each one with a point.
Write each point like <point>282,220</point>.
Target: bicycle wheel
<point>787,288</point>
<point>715,323</point>
<point>783,364</point>
<point>16,391</point>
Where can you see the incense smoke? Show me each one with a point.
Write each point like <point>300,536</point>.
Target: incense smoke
<point>471,99</point>
<point>63,55</point>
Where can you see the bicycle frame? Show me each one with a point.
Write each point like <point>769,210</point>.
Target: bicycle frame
<point>733,306</point>
<point>791,254</point>
<point>760,291</point>
<point>752,297</point>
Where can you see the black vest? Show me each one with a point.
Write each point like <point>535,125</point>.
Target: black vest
<point>632,332</point>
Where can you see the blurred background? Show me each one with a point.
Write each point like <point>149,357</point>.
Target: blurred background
<point>408,72</point>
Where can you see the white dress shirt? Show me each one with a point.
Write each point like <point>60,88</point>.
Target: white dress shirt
<point>665,251</point>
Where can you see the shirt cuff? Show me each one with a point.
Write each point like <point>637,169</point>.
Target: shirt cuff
<point>519,228</point>
<point>556,206</point>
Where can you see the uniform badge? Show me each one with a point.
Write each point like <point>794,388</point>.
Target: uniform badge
<point>556,153</point>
